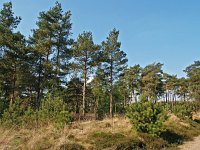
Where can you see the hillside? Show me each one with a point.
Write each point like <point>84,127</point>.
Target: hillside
<point>114,133</point>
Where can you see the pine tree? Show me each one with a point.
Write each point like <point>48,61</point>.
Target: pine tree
<point>151,81</point>
<point>61,28</point>
<point>183,90</point>
<point>193,72</point>
<point>84,54</point>
<point>51,52</point>
<point>171,86</point>
<point>132,76</point>
<point>12,54</point>
<point>114,62</point>
<point>73,94</point>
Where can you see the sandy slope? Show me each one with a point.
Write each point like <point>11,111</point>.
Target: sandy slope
<point>191,145</point>
<point>49,136</point>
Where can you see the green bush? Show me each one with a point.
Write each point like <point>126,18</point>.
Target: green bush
<point>117,141</point>
<point>131,145</point>
<point>100,114</point>
<point>153,142</point>
<point>13,115</point>
<point>52,110</point>
<point>185,109</point>
<point>147,117</point>
<point>29,118</point>
<point>3,106</point>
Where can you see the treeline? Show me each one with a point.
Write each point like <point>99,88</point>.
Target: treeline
<point>87,77</point>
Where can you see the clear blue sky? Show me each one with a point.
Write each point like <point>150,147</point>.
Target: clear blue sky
<point>166,31</point>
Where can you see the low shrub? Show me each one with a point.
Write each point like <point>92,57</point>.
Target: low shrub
<point>185,109</point>
<point>130,145</point>
<point>3,106</point>
<point>172,137</point>
<point>147,117</point>
<point>73,146</point>
<point>103,140</point>
<point>52,110</point>
<point>153,142</point>
<point>182,130</point>
<point>44,143</point>
<point>14,114</point>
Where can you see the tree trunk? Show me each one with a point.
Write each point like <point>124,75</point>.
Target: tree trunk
<point>39,85</point>
<point>13,87</point>
<point>31,93</point>
<point>173,98</point>
<point>136,99</point>
<point>57,64</point>
<point>124,100</point>
<point>84,86</point>
<point>184,97</point>
<point>96,107</point>
<point>111,104</point>
<point>133,96</point>
<point>77,103</point>
<point>111,90</point>
<point>169,97</point>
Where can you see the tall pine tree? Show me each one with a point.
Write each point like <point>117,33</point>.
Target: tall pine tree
<point>84,54</point>
<point>51,52</point>
<point>114,63</point>
<point>12,54</point>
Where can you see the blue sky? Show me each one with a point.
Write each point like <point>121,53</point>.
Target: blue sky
<point>166,31</point>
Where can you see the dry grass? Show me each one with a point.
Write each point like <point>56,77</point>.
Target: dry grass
<point>173,119</point>
<point>79,132</point>
<point>52,138</point>
<point>196,116</point>
<point>90,134</point>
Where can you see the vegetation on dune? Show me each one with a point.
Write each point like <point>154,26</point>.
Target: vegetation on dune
<point>119,134</point>
<point>52,110</point>
<point>49,80</point>
<point>147,117</point>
